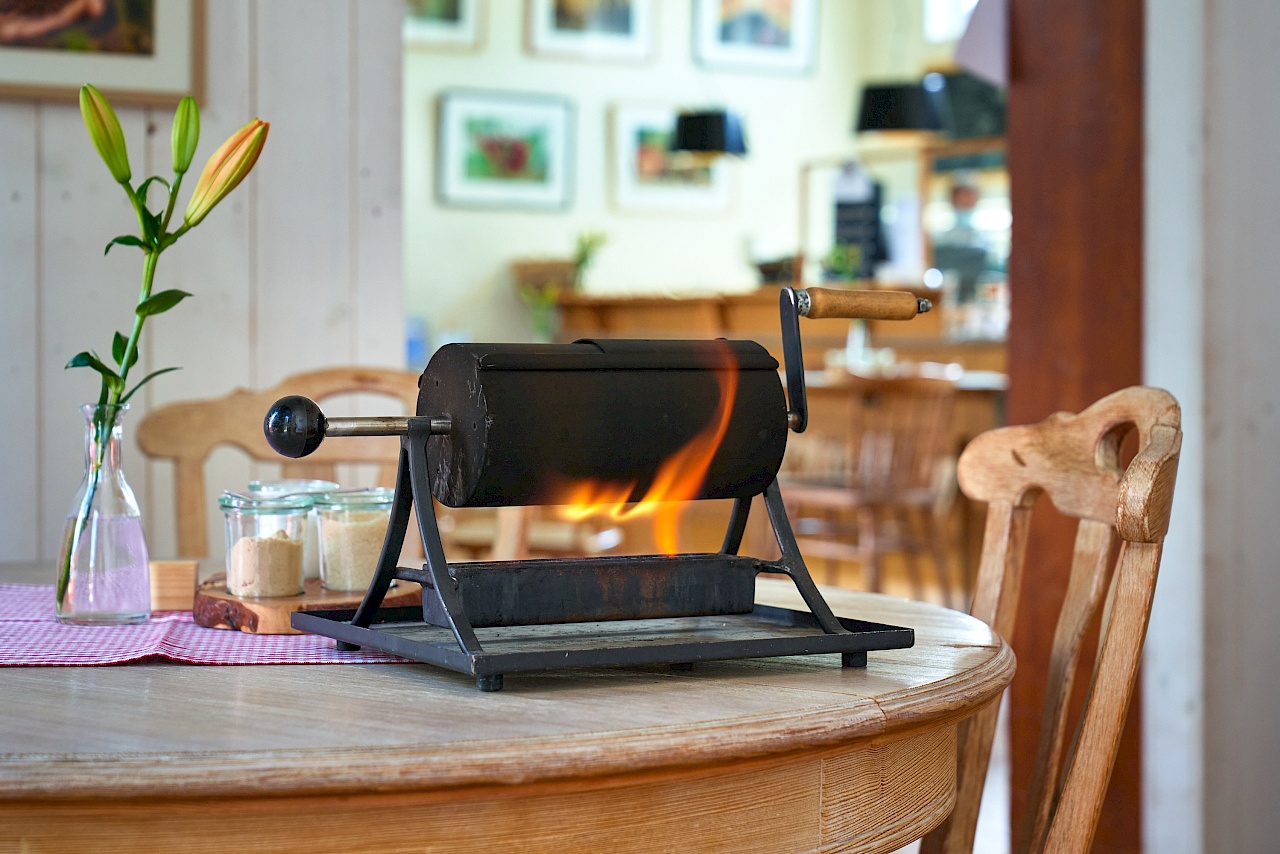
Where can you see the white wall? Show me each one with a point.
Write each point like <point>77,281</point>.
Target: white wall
<point>1213,198</point>
<point>299,268</point>
<point>456,259</point>
<point>1173,351</point>
<point>1242,426</point>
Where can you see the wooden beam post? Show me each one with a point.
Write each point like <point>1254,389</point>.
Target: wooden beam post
<point>1075,163</point>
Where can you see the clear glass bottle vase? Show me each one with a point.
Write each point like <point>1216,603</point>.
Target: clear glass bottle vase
<point>103,572</point>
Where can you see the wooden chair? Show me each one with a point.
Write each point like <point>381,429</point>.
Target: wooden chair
<point>187,432</point>
<point>1075,459</point>
<point>518,533</point>
<point>886,469</point>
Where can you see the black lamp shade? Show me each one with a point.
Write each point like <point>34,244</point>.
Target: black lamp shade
<point>976,108</point>
<point>904,106</point>
<point>717,131</point>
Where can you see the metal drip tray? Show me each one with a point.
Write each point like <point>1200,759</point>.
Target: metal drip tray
<point>765,631</point>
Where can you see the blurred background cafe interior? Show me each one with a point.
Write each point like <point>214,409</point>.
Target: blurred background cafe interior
<point>1085,193</point>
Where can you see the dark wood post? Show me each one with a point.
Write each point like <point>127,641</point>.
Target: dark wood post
<point>1075,136</point>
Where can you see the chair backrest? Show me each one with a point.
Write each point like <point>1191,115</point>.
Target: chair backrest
<point>1075,460</point>
<point>187,432</point>
<point>892,441</point>
<point>899,434</point>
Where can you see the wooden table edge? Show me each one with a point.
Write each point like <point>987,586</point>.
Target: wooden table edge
<point>334,771</point>
<point>807,800</point>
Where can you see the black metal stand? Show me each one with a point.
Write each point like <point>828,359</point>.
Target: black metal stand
<point>551,614</point>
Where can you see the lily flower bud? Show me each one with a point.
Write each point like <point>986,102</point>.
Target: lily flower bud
<point>186,133</point>
<point>104,130</point>
<point>226,169</point>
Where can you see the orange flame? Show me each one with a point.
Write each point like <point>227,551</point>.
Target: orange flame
<point>678,479</point>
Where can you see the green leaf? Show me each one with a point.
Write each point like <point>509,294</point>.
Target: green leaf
<point>118,346</point>
<point>125,240</point>
<point>160,303</point>
<point>142,189</point>
<point>150,223</point>
<point>86,359</point>
<point>144,381</point>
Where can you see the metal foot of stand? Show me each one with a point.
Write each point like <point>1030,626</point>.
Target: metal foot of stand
<point>489,683</point>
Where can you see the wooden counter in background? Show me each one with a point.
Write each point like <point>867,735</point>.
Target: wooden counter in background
<point>754,316</point>
<point>970,354</point>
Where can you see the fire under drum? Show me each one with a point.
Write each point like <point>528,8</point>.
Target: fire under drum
<point>596,421</point>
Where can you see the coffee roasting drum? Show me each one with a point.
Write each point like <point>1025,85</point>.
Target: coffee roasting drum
<point>529,419</point>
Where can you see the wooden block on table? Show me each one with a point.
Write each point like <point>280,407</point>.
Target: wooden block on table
<point>173,585</point>
<point>215,608</point>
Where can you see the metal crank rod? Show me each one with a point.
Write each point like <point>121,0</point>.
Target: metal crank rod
<point>295,426</point>
<point>818,303</point>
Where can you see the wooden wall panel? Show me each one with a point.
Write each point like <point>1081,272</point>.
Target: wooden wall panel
<point>1075,163</point>
<point>378,263</point>
<point>300,268</point>
<point>303,275</point>
<point>209,335</point>
<point>19,326</point>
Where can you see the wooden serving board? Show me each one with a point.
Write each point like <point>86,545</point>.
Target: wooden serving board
<point>216,608</point>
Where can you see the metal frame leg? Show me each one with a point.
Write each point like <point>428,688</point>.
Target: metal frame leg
<point>391,546</point>
<point>444,589</point>
<point>441,601</point>
<point>737,526</point>
<point>793,564</point>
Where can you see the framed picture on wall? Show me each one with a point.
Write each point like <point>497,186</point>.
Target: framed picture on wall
<point>138,54</point>
<point>609,30</point>
<point>504,149</point>
<point>647,177</point>
<point>756,35</point>
<point>447,24</point>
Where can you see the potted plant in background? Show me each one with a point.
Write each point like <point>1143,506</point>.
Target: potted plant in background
<point>843,263</point>
<point>539,282</point>
<point>103,573</point>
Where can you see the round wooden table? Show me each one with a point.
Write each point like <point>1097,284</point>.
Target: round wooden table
<point>771,755</point>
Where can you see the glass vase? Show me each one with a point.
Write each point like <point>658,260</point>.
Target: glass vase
<point>103,574</point>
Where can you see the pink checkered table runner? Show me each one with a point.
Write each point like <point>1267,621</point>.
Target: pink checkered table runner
<point>29,635</point>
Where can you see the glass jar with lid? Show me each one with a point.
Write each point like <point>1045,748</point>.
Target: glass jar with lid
<point>353,526</point>
<point>299,487</point>
<point>264,544</point>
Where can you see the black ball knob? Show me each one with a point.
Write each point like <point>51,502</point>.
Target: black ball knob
<point>294,426</point>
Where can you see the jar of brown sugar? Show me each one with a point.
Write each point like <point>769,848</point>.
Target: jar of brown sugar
<point>299,487</point>
<point>353,526</point>
<point>264,544</point>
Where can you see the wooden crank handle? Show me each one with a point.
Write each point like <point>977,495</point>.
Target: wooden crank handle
<point>869,305</point>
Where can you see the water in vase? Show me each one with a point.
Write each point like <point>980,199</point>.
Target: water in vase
<point>110,574</point>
